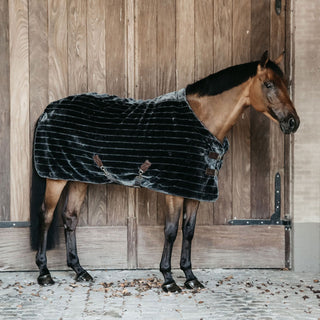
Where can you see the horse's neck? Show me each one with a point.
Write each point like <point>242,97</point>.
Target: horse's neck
<point>220,112</point>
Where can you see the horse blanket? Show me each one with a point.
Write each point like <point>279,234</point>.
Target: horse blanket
<point>157,144</point>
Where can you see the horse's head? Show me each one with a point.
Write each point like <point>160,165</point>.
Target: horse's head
<point>269,94</point>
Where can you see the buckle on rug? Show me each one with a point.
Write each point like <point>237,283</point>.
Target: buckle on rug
<point>212,172</point>
<point>99,163</point>
<point>215,155</point>
<point>142,169</point>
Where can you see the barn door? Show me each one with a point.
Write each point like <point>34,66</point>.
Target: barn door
<point>198,38</point>
<point>141,49</point>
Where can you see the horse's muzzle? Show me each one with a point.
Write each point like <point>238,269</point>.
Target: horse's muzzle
<point>290,124</point>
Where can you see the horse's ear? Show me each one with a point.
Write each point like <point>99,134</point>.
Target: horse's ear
<point>280,58</point>
<point>264,59</point>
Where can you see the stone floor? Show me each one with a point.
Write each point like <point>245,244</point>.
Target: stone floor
<point>136,294</point>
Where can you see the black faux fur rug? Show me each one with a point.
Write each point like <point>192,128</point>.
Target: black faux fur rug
<point>157,144</point>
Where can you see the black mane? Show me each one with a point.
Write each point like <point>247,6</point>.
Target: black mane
<point>227,79</point>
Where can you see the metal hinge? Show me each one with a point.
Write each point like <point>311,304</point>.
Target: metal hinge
<point>275,218</point>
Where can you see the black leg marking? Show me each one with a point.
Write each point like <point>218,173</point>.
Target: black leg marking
<point>174,205</point>
<point>189,222</point>
<point>70,217</point>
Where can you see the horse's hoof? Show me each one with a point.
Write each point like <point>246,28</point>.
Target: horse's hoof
<point>45,280</point>
<point>84,276</point>
<point>194,284</point>
<point>171,287</point>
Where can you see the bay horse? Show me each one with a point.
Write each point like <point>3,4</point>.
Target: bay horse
<point>216,101</point>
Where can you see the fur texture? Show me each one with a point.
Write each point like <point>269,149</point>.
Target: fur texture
<point>125,133</point>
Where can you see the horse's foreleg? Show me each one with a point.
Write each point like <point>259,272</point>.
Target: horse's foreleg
<point>173,210</point>
<point>51,198</point>
<point>190,209</point>
<point>76,195</point>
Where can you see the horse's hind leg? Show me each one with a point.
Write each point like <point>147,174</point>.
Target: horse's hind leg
<point>76,195</point>
<point>173,211</point>
<point>51,198</point>
<point>190,209</point>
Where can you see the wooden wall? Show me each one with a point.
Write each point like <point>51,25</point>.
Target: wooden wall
<point>141,49</point>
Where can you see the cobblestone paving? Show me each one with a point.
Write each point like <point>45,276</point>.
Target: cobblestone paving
<point>130,295</point>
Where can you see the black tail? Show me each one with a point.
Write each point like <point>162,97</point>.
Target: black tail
<point>37,196</point>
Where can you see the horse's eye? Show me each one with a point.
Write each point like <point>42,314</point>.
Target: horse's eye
<point>268,84</point>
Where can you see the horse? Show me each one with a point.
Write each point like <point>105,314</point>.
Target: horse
<point>216,102</point>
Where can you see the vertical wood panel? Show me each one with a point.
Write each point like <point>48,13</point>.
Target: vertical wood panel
<point>19,110</point>
<point>185,42</point>
<point>203,52</point>
<point>117,205</point>
<point>288,139</point>
<point>166,46</point>
<point>38,56</point>
<point>130,6</point>
<point>58,58</point>
<point>223,59</point>
<point>58,49</point>
<point>166,66</point>
<point>241,131</point>
<point>115,47</point>
<point>260,125</point>
<point>277,138</point>
<point>146,87</point>
<point>77,59</point>
<point>96,51</point>
<point>96,45</point>
<point>222,50</point>
<point>77,46</point>
<point>4,113</point>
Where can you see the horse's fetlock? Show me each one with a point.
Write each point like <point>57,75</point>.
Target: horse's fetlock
<point>165,269</point>
<point>185,266</point>
<point>41,261</point>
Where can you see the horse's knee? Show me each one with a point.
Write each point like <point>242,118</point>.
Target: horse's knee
<point>170,232</point>
<point>70,219</point>
<point>188,232</point>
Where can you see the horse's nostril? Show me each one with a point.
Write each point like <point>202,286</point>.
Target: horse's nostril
<point>292,123</point>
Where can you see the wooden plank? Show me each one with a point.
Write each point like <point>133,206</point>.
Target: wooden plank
<point>218,247</point>
<point>58,60</point>
<point>77,47</point>
<point>203,52</point>
<point>241,131</point>
<point>146,87</point>
<point>58,49</point>
<point>204,36</point>
<point>260,125</point>
<point>116,47</point>
<point>185,42</point>
<point>98,248</point>
<point>96,45</point>
<point>77,66</point>
<point>277,138</point>
<point>130,70</point>
<point>96,53</point>
<point>222,59</point>
<point>166,43</point>
<point>146,49</point>
<point>38,57</point>
<point>166,66</point>
<point>20,159</point>
<point>222,50</point>
<point>4,113</point>
<point>117,205</point>
<point>288,139</point>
